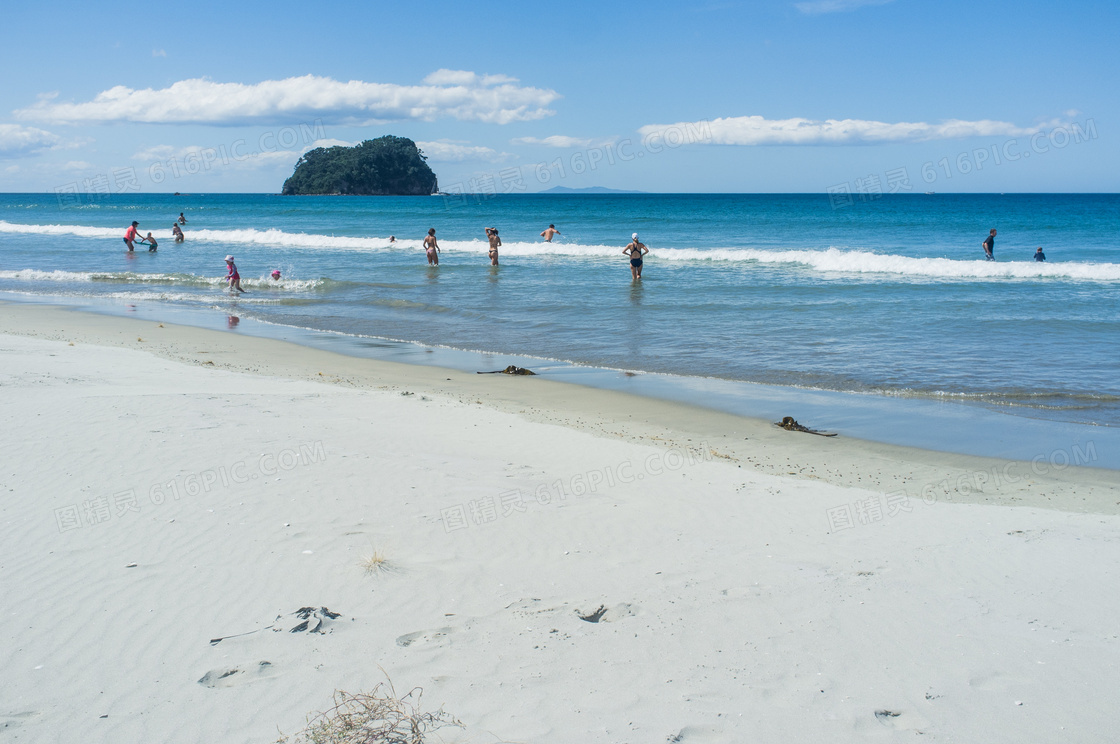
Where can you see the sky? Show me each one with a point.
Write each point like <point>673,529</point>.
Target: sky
<point>845,97</point>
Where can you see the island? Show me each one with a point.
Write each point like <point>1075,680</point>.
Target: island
<point>588,190</point>
<point>386,166</point>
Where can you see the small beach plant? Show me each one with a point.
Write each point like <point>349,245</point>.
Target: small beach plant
<point>379,716</point>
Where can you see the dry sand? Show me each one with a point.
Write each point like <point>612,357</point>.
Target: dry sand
<point>164,486</point>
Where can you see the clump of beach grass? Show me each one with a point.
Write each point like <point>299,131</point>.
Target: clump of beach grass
<point>379,716</point>
<point>375,563</point>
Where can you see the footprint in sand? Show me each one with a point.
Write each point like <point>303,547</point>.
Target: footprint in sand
<point>532,607</point>
<point>697,734</point>
<point>422,638</point>
<point>231,676</point>
<point>604,614</point>
<point>996,681</point>
<point>900,719</point>
<point>10,721</point>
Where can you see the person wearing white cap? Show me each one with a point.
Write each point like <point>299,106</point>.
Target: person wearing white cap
<point>635,250</point>
<point>232,277</point>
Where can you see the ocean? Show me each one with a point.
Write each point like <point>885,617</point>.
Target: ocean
<point>885,299</point>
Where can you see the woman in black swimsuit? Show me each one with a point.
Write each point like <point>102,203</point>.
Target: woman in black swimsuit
<point>635,251</point>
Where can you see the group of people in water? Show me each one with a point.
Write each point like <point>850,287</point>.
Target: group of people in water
<point>635,250</point>
<point>132,235</point>
<point>989,246</point>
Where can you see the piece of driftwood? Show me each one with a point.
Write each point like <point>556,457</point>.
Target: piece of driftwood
<point>510,370</point>
<point>790,424</point>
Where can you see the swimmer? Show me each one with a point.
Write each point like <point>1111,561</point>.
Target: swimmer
<point>495,241</point>
<point>177,233</point>
<point>232,277</point>
<point>130,235</point>
<point>1039,255</point>
<point>431,247</point>
<point>152,244</point>
<point>275,275</point>
<point>635,250</point>
<point>392,239</point>
<point>547,234</point>
<point>182,219</point>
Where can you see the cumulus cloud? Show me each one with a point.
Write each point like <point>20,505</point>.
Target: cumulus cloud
<point>456,94</point>
<point>464,77</point>
<point>816,7</point>
<point>197,158</point>
<point>17,141</point>
<point>757,130</point>
<point>560,140</point>
<point>452,151</point>
<point>329,142</point>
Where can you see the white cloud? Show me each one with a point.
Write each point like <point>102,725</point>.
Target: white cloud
<point>464,77</point>
<point>454,94</point>
<point>329,142</point>
<point>17,141</point>
<point>816,7</point>
<point>443,150</point>
<point>560,140</point>
<point>159,53</point>
<point>196,158</point>
<point>76,165</point>
<point>162,152</point>
<point>756,130</point>
<point>452,151</point>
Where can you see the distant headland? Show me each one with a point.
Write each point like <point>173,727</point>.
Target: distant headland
<point>386,166</point>
<point>589,190</point>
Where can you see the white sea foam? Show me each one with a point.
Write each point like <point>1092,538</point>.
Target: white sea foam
<point>128,277</point>
<point>831,260</point>
<point>248,236</point>
<point>170,296</point>
<point>834,260</point>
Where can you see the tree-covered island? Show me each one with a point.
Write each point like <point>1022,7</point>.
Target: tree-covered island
<point>386,166</point>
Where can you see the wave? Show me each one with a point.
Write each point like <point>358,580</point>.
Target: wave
<point>830,261</point>
<point>834,260</point>
<point>248,236</point>
<point>142,295</point>
<point>186,280</point>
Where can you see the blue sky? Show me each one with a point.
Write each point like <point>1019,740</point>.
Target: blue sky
<point>772,96</point>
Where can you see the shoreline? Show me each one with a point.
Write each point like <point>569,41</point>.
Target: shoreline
<point>747,441</point>
<point>968,428</point>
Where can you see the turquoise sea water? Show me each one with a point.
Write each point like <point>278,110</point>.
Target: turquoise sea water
<point>889,298</point>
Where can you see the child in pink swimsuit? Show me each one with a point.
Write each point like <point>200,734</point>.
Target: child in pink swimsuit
<point>232,277</point>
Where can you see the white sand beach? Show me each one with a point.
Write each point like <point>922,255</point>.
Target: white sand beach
<point>560,564</point>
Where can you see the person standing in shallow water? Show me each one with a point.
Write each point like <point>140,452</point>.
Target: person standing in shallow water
<point>990,245</point>
<point>549,233</point>
<point>233,277</point>
<point>495,241</point>
<point>636,249</point>
<point>431,247</point>
<point>130,235</point>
